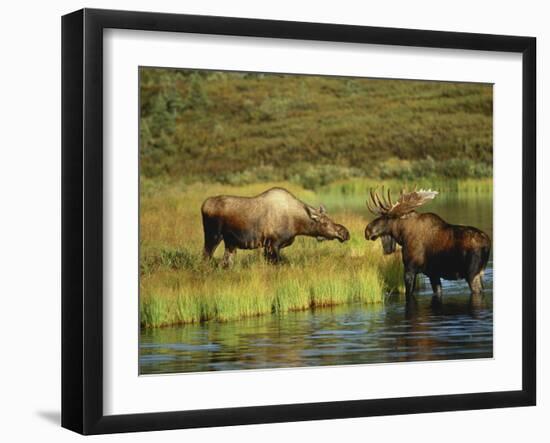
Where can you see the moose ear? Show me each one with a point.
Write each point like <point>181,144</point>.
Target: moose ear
<point>312,213</point>
<point>322,210</point>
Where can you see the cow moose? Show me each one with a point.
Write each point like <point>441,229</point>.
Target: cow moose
<point>430,245</point>
<point>270,220</point>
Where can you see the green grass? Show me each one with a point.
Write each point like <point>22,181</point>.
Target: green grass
<point>252,292</point>
<point>238,128</point>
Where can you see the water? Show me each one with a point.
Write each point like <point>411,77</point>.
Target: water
<point>460,328</point>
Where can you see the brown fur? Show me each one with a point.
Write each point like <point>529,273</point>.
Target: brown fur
<point>270,220</point>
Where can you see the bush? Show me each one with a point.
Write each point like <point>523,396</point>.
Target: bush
<point>315,176</point>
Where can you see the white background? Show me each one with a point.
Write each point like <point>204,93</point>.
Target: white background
<point>30,234</point>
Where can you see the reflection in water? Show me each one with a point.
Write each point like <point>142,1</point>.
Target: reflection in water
<point>459,327</point>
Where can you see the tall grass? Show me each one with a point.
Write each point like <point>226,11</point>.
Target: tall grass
<point>168,299</point>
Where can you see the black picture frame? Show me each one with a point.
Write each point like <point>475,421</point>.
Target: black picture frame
<point>82,221</point>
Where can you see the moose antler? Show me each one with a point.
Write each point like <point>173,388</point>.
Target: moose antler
<point>380,206</point>
<point>407,202</point>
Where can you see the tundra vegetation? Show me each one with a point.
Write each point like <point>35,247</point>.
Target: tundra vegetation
<point>326,140</point>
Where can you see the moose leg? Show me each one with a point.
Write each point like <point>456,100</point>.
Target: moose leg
<point>438,293</point>
<point>212,236</point>
<point>476,286</point>
<point>272,254</point>
<point>210,245</point>
<point>268,252</point>
<point>475,271</point>
<point>476,303</point>
<point>228,255</point>
<point>436,286</point>
<point>410,283</point>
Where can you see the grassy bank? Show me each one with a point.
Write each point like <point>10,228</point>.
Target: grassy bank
<point>215,294</point>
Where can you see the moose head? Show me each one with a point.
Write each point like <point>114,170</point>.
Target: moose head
<point>388,213</point>
<point>325,228</point>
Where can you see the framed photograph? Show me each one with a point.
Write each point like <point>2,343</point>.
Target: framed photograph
<point>269,221</point>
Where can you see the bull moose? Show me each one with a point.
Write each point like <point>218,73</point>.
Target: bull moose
<point>270,220</point>
<point>429,244</point>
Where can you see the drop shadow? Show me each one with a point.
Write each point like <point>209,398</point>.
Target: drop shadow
<point>53,417</point>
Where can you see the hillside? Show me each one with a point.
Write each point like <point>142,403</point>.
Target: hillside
<point>235,127</point>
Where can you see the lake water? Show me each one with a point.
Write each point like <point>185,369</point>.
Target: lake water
<point>460,328</point>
